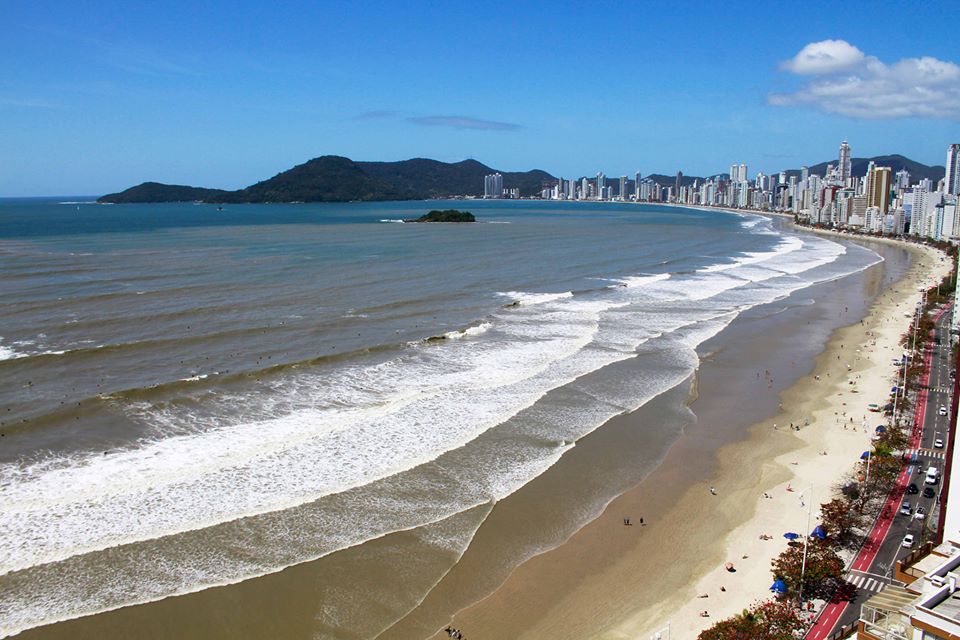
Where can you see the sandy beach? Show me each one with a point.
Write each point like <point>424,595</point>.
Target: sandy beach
<point>646,577</point>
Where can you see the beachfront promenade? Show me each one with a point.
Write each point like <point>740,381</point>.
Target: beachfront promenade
<point>872,569</point>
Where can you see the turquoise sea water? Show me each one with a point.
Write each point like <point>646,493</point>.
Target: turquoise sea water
<point>193,397</point>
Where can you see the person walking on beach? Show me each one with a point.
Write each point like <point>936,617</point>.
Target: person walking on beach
<point>713,491</point>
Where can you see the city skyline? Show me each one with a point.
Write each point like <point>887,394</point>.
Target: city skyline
<point>878,201</point>
<point>97,98</point>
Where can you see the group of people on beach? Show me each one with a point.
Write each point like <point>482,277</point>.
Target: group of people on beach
<point>454,633</point>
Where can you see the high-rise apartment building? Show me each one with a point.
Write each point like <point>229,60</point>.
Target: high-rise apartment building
<point>493,186</point>
<point>601,183</point>
<point>623,187</point>
<point>845,164</point>
<point>878,188</point>
<point>952,177</point>
<point>742,173</point>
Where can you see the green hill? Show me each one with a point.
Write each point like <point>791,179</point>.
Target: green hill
<point>157,192</point>
<point>339,179</point>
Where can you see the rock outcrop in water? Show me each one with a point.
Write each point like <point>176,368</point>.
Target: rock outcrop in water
<point>447,215</point>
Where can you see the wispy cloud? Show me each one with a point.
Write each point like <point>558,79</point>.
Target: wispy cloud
<point>27,103</point>
<point>463,122</point>
<point>127,55</point>
<point>846,81</point>
<point>375,115</point>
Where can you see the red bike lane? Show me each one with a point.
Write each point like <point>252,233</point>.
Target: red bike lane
<point>868,552</point>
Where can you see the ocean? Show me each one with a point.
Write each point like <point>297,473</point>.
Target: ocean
<point>192,397</point>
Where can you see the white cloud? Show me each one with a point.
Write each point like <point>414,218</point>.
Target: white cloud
<point>826,56</point>
<point>850,83</point>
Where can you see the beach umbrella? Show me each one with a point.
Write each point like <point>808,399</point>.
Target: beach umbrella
<point>881,429</point>
<point>779,586</point>
<point>818,533</point>
<point>790,535</point>
<point>864,455</point>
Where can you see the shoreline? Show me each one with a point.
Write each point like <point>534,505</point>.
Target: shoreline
<point>843,390</point>
<point>740,513</point>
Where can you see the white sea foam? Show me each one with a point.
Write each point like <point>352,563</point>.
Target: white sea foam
<point>641,280</point>
<point>477,330</point>
<point>9,353</point>
<point>392,220</point>
<point>789,244</point>
<point>529,299</point>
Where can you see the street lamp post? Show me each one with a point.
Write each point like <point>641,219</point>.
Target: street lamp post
<point>806,540</point>
<point>866,482</point>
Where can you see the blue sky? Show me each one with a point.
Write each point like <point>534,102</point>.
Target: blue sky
<point>98,96</point>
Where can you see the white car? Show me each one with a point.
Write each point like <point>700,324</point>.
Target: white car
<point>920,514</point>
<point>907,541</point>
<point>942,411</point>
<point>938,443</point>
<point>905,508</point>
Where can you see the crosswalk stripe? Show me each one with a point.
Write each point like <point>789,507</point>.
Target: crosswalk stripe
<point>866,583</point>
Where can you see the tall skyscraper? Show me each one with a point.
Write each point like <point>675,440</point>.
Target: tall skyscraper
<point>742,173</point>
<point>493,186</point>
<point>678,183</point>
<point>636,187</point>
<point>845,164</point>
<point>601,183</point>
<point>878,188</point>
<point>623,187</point>
<point>734,173</point>
<point>952,177</point>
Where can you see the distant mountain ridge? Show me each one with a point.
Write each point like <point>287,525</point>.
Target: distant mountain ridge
<point>339,179</point>
<point>858,167</point>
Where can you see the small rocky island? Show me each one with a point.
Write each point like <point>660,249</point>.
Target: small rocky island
<point>447,215</point>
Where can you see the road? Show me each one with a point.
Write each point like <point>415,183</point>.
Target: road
<point>873,567</point>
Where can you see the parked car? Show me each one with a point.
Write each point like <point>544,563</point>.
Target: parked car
<point>912,488</point>
<point>907,541</point>
<point>942,411</point>
<point>928,492</point>
<point>920,514</point>
<point>905,508</point>
<point>938,443</point>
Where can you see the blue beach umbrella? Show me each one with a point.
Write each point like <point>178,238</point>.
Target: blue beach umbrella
<point>778,586</point>
<point>881,429</point>
<point>818,533</point>
<point>790,535</point>
<point>864,455</point>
